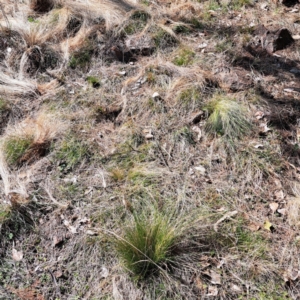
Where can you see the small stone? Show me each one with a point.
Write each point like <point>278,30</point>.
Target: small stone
<point>295,71</point>
<point>156,96</point>
<point>203,45</point>
<point>123,73</point>
<point>200,169</point>
<point>149,136</point>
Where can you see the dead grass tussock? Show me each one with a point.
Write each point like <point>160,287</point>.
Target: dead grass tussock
<point>184,10</point>
<point>111,11</point>
<point>79,41</point>
<point>12,86</point>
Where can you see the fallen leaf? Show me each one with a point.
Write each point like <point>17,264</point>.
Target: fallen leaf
<point>203,45</point>
<point>199,284</point>
<point>264,6</point>
<point>274,206</point>
<point>289,90</point>
<point>90,232</point>
<point>58,274</point>
<point>291,275</point>
<point>56,241</point>
<point>71,228</point>
<point>279,195</point>
<point>220,264</point>
<point>253,227</point>
<point>104,272</point>
<point>264,128</point>
<point>226,216</point>
<point>212,291</point>
<point>294,10</point>
<point>215,277</point>
<point>236,288</point>
<point>197,130</point>
<point>268,225</point>
<point>200,169</point>
<point>259,115</point>
<point>282,211</point>
<point>258,146</point>
<point>277,183</point>
<point>17,255</point>
<point>116,294</point>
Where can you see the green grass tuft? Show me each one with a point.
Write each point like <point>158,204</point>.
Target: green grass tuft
<point>71,153</point>
<point>147,244</point>
<point>4,106</point>
<point>15,147</point>
<point>184,58</point>
<point>93,81</point>
<point>227,118</point>
<point>81,58</point>
<point>164,39</point>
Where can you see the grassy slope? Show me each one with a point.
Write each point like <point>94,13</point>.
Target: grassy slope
<point>103,150</point>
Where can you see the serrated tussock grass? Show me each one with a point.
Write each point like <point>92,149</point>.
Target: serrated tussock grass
<point>227,118</point>
<point>147,244</point>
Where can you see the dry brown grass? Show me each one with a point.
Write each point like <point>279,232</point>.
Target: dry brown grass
<point>127,149</point>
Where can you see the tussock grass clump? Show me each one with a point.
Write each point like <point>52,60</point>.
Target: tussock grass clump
<point>29,140</point>
<point>157,237</point>
<point>227,118</point>
<point>148,244</point>
<point>137,22</point>
<point>16,146</point>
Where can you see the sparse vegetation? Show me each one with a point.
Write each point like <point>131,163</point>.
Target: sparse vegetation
<point>184,57</point>
<point>71,152</point>
<point>149,150</point>
<point>93,81</point>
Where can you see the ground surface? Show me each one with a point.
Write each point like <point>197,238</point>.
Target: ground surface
<point>81,84</point>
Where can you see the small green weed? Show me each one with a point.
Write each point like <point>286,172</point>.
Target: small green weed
<point>5,213</point>
<point>4,106</point>
<point>184,134</point>
<point>93,81</point>
<point>80,59</point>
<point>32,19</point>
<point>184,57</point>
